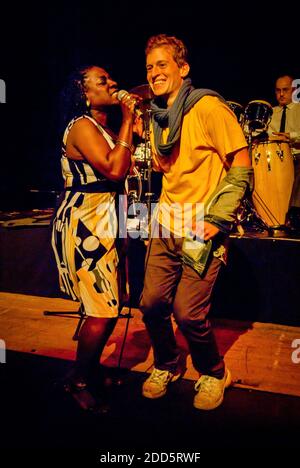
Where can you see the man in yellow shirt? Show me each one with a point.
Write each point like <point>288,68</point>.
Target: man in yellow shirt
<point>199,146</point>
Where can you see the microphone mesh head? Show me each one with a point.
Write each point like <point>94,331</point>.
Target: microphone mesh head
<point>122,93</point>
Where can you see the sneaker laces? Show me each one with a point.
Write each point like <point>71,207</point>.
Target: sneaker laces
<point>206,384</point>
<point>159,376</point>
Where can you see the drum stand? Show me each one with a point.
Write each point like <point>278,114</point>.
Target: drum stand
<point>248,214</point>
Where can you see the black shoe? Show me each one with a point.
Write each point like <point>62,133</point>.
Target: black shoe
<point>82,395</point>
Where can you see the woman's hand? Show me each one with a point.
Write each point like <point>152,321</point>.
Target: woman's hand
<point>129,103</point>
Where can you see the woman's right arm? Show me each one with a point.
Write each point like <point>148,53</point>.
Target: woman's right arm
<point>91,145</point>
<point>85,141</point>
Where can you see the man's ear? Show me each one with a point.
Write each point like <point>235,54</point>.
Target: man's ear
<point>184,70</point>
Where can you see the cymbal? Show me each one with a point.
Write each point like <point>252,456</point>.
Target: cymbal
<point>144,91</point>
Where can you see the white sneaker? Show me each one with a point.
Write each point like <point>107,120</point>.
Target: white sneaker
<point>156,385</point>
<point>210,391</point>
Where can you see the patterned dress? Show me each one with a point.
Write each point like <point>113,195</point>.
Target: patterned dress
<point>84,233</point>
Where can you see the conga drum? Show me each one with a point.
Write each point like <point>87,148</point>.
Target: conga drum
<point>273,166</point>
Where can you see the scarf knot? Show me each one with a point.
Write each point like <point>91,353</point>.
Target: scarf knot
<point>172,117</point>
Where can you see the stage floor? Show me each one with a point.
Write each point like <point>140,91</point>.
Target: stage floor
<point>258,354</point>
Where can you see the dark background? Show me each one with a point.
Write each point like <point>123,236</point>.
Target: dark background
<point>237,50</point>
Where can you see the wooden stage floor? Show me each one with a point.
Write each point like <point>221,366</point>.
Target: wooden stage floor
<point>258,354</point>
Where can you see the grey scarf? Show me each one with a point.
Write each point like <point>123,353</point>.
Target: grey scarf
<point>173,116</point>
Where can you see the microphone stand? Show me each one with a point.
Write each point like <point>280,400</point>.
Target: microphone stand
<point>147,158</point>
<point>136,197</point>
<point>147,176</point>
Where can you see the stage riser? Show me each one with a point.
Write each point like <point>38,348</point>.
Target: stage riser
<point>261,281</point>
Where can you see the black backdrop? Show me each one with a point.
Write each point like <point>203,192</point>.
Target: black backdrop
<point>237,50</point>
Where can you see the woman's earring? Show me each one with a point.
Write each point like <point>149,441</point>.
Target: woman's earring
<point>88,104</point>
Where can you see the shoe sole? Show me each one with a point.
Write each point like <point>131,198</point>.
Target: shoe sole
<point>150,395</point>
<point>218,403</point>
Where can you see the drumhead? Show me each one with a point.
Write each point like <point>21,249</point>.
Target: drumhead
<point>237,109</point>
<point>234,104</point>
<point>270,140</point>
<point>258,101</point>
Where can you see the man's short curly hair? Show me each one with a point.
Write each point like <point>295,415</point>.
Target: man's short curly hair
<point>179,49</point>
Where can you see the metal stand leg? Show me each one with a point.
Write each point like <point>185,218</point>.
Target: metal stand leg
<point>80,312</point>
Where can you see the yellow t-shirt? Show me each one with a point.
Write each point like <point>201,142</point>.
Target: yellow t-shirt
<point>197,164</point>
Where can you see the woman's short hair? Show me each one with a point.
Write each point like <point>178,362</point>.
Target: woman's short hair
<point>73,102</point>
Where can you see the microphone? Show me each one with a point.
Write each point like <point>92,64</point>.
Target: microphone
<point>122,93</point>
